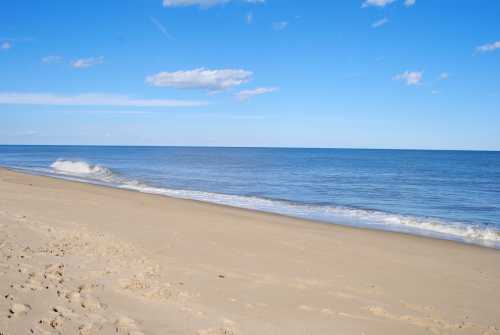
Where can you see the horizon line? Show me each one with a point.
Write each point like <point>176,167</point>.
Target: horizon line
<point>246,147</point>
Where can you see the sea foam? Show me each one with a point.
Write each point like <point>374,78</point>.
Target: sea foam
<point>82,169</point>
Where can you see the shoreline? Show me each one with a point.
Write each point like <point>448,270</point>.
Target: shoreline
<point>424,234</point>
<point>148,264</point>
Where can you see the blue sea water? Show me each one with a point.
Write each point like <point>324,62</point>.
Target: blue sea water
<point>444,194</point>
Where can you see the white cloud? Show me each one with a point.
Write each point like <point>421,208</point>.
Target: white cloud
<point>202,3</point>
<point>410,77</point>
<point>5,45</point>
<point>409,3</point>
<point>84,63</point>
<point>444,76</point>
<point>203,79</point>
<point>379,23</point>
<point>161,28</point>
<point>247,94</point>
<point>376,3</point>
<point>280,25</point>
<point>488,47</point>
<point>90,99</point>
<point>28,133</point>
<point>23,133</point>
<point>103,111</point>
<point>51,59</point>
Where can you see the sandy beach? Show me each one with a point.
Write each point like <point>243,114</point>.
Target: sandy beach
<point>82,259</point>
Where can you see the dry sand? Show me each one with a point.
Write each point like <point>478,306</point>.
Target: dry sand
<point>82,259</point>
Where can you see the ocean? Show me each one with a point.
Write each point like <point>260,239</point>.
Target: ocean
<point>451,195</point>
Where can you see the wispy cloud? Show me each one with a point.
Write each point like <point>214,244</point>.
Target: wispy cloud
<point>90,99</point>
<point>249,17</point>
<point>203,3</point>
<point>5,45</point>
<point>51,59</point>
<point>410,77</point>
<point>409,3</point>
<point>376,3</point>
<point>202,79</point>
<point>380,23</point>
<point>161,28</point>
<point>104,111</point>
<point>22,133</point>
<point>247,94</point>
<point>280,25</point>
<point>488,47</point>
<point>84,63</point>
<point>444,76</point>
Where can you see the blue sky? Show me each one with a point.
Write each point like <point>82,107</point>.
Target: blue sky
<point>370,74</point>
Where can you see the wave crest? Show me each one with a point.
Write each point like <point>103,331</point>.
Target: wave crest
<point>82,169</point>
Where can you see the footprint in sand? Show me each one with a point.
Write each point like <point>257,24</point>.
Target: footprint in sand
<point>54,323</point>
<point>91,304</point>
<point>40,331</point>
<point>18,309</point>
<point>73,297</point>
<point>64,312</point>
<point>9,297</point>
<point>127,324</point>
<point>85,329</point>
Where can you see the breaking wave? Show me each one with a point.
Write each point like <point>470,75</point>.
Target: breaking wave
<point>82,169</point>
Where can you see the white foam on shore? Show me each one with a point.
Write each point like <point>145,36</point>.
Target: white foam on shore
<point>426,226</point>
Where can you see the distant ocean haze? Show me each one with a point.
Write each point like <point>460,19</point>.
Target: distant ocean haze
<point>444,194</point>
